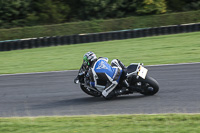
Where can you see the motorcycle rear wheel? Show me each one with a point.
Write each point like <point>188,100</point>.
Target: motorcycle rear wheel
<point>149,86</point>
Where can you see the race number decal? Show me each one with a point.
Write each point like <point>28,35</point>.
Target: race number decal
<point>142,72</point>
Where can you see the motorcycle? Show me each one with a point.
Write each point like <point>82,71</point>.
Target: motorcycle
<point>135,80</point>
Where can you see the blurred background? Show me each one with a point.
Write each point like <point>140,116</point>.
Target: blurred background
<point>89,16</point>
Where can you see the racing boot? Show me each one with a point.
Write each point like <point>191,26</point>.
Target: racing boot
<point>121,64</point>
<point>117,63</point>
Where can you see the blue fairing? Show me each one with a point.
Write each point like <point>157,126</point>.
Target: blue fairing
<point>103,67</point>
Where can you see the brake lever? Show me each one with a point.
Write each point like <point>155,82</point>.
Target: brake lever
<point>76,80</point>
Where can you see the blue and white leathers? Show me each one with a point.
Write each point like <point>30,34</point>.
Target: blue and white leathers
<point>101,70</point>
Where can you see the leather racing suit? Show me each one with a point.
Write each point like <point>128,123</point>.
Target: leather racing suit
<point>104,77</point>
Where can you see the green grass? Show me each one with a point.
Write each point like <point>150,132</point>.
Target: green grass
<point>178,48</point>
<point>165,123</point>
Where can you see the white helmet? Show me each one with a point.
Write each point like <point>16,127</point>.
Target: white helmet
<point>88,58</point>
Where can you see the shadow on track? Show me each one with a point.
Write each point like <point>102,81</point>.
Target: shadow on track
<point>84,101</point>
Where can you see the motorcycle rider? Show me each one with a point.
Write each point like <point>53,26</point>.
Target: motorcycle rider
<point>101,75</point>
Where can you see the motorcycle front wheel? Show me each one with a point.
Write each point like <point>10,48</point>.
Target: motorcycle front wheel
<point>90,92</point>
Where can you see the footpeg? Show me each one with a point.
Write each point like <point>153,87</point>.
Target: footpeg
<point>122,91</point>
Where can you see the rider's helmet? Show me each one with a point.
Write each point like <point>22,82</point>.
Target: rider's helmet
<point>88,58</point>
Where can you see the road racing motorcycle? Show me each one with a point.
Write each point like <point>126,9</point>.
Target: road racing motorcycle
<point>135,80</point>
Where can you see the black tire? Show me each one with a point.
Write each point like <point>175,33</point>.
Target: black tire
<point>152,83</point>
<point>146,84</point>
<point>90,92</point>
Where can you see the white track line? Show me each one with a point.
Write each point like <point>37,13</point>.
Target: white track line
<point>77,70</point>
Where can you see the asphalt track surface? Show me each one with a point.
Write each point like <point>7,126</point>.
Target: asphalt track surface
<point>54,93</point>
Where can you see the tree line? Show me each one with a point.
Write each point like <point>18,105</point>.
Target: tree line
<point>19,13</point>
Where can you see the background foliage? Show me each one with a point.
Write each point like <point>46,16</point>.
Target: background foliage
<point>100,25</point>
<point>18,13</point>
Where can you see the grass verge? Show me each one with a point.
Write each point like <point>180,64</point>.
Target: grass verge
<point>165,123</point>
<point>178,48</point>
